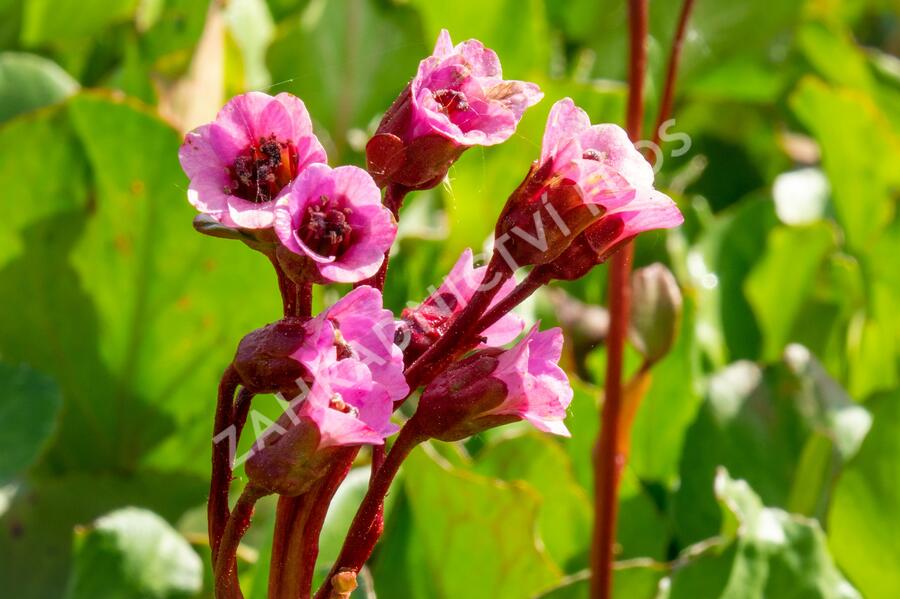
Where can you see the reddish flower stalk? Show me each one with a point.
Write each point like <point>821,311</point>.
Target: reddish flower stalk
<point>289,294</point>
<point>607,463</point>
<point>296,545</point>
<point>360,540</point>
<point>217,506</point>
<point>611,450</point>
<point>226,565</point>
<point>668,96</point>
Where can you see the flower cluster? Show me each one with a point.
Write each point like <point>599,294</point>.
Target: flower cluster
<point>259,172</point>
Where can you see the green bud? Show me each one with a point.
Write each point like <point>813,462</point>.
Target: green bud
<point>655,311</point>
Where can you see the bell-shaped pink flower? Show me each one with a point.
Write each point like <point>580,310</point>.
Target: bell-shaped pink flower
<point>349,407</point>
<point>457,99</point>
<point>459,92</point>
<point>239,164</point>
<point>430,319</point>
<point>356,327</point>
<point>344,407</point>
<point>333,221</point>
<point>495,387</point>
<point>585,172</point>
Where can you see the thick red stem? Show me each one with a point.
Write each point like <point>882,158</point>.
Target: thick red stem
<point>607,462</point>
<point>361,540</point>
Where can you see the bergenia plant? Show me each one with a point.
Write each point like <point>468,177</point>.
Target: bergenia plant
<point>259,173</point>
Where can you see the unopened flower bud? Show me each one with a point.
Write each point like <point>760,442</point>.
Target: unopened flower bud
<point>493,387</point>
<point>655,311</point>
<point>264,357</point>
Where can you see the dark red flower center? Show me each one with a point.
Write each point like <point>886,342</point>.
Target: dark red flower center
<point>451,101</point>
<point>260,172</point>
<point>326,228</point>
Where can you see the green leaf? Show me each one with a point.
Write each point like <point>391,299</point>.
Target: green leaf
<point>764,552</point>
<point>29,406</point>
<point>134,553</point>
<point>718,266</point>
<point>50,21</point>
<point>514,29</point>
<point>29,82</point>
<point>851,129</point>
<point>452,508</point>
<point>778,286</point>
<point>630,580</point>
<point>767,426</point>
<point>565,511</point>
<point>36,530</point>
<point>865,513</point>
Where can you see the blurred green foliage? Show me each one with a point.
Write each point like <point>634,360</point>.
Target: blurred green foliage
<point>118,318</point>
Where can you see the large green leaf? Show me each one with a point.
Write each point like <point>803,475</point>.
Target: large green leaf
<point>851,130</point>
<point>48,21</point>
<point>28,81</point>
<point>36,530</point>
<point>779,285</point>
<point>565,511</point>
<point>29,405</point>
<point>134,553</point>
<point>718,267</point>
<point>763,552</point>
<point>865,513</point>
<point>774,427</point>
<point>138,313</point>
<point>452,509</point>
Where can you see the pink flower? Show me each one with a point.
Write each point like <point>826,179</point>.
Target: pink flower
<point>428,321</point>
<point>459,92</point>
<point>348,406</point>
<point>575,148</point>
<point>585,173</point>
<point>344,407</point>
<point>537,389</point>
<point>334,219</point>
<point>495,387</point>
<point>356,327</point>
<point>240,163</point>
<point>457,99</point>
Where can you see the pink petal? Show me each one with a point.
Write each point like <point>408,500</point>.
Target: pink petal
<point>444,45</point>
<point>565,122</point>
<point>369,330</point>
<point>483,61</point>
<point>503,331</point>
<point>616,150</point>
